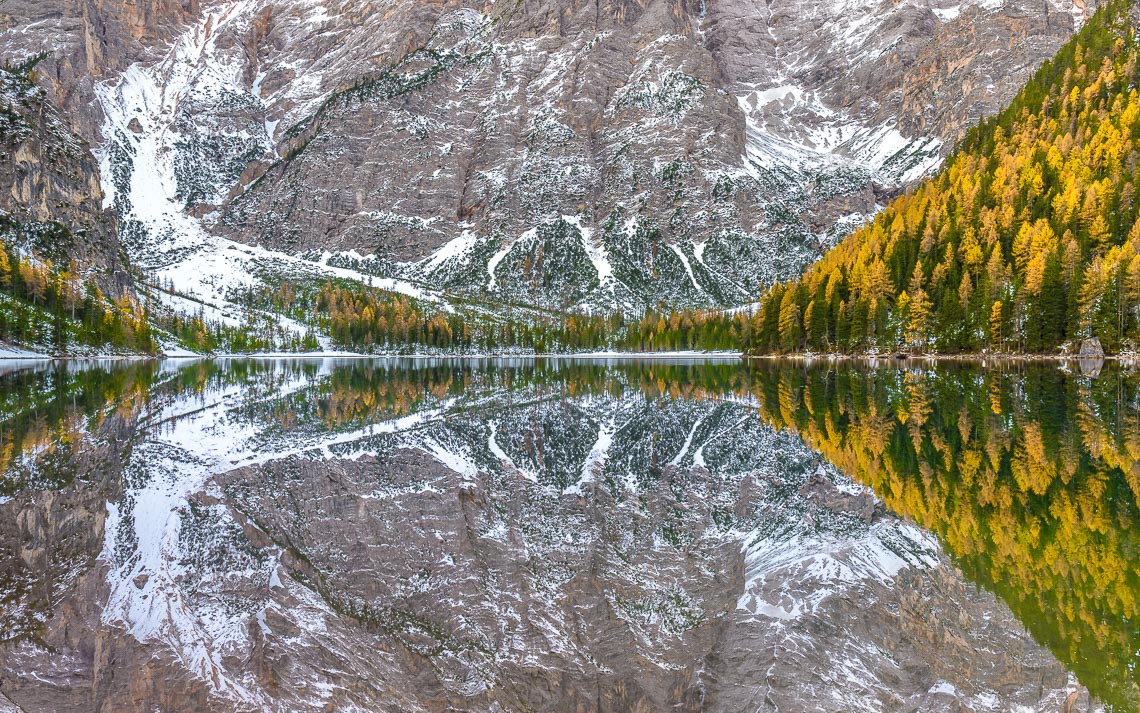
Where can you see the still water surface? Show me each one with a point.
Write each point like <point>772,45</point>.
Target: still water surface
<point>568,535</point>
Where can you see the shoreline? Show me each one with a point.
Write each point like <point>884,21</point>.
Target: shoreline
<point>973,357</point>
<point>355,355</point>
<point>687,355</point>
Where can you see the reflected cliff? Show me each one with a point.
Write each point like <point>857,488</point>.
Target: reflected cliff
<point>565,534</point>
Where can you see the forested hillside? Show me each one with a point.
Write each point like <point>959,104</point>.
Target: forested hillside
<point>1026,241</point>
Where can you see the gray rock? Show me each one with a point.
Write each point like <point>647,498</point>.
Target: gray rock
<point>1091,349</point>
<point>49,187</point>
<point>630,118</point>
<point>819,488</point>
<point>85,43</point>
<point>1091,357</point>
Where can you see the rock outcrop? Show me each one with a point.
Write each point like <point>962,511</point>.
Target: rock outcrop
<point>1091,349</point>
<point>84,42</point>
<point>50,194</point>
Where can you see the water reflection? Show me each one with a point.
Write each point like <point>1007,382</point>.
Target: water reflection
<point>264,521</point>
<point>1028,474</point>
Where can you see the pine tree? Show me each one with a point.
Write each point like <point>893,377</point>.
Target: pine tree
<point>918,328</point>
<point>997,325</point>
<point>791,330</point>
<point>5,268</point>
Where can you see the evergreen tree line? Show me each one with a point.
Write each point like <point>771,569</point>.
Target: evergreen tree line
<point>198,334</point>
<point>365,318</point>
<point>360,317</point>
<point>1026,241</point>
<point>60,309</point>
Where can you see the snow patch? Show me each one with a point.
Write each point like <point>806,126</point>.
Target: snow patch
<point>685,261</point>
<point>596,251</point>
<point>452,249</point>
<point>792,568</point>
<point>497,258</point>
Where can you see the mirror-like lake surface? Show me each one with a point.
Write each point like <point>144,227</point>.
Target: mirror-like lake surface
<point>549,535</point>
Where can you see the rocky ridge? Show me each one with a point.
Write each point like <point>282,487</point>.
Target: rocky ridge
<point>50,195</point>
<point>591,155</point>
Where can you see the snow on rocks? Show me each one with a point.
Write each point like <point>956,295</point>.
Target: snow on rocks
<point>147,136</point>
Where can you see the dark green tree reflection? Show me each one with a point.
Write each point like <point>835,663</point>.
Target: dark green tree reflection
<point>1028,474</point>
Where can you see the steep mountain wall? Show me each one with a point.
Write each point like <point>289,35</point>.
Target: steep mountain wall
<point>86,42</point>
<point>50,193</point>
<point>591,154</point>
<point>51,183</point>
<point>583,154</point>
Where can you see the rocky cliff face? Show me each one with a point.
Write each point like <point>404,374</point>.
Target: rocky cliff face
<point>84,42</point>
<point>563,154</point>
<point>629,154</point>
<point>50,194</point>
<point>51,182</point>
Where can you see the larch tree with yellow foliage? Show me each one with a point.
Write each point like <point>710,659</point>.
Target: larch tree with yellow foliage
<point>1024,241</point>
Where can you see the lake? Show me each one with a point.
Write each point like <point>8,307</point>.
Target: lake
<point>561,534</point>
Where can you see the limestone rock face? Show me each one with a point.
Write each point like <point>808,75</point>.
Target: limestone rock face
<point>87,41</point>
<point>50,192</point>
<point>53,518</point>
<point>620,153</point>
<point>73,44</point>
<point>414,603</point>
<point>594,154</point>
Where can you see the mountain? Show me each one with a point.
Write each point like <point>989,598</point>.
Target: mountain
<point>583,156</point>
<point>1028,240</point>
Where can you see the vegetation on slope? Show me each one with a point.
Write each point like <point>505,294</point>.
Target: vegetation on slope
<point>1027,239</point>
<point>366,319</point>
<point>61,310</point>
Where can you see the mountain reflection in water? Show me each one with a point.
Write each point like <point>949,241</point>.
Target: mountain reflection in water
<point>567,535</point>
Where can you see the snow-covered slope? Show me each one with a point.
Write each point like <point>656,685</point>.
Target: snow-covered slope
<point>171,141</point>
